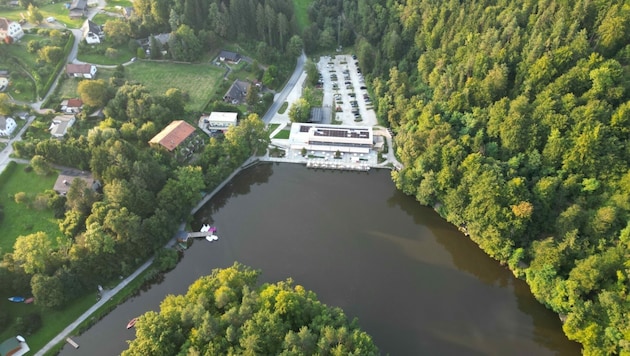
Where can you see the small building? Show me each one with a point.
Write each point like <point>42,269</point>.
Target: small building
<point>71,106</point>
<point>10,31</point>
<point>92,33</point>
<point>237,92</point>
<point>173,135</point>
<point>15,346</point>
<point>351,139</point>
<point>60,125</point>
<point>128,12</point>
<point>81,70</point>
<point>7,125</point>
<point>78,9</point>
<point>317,115</point>
<point>230,57</point>
<point>217,121</point>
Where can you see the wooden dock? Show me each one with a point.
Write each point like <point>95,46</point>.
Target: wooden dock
<point>71,342</point>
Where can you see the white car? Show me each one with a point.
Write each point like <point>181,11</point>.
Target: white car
<point>50,19</point>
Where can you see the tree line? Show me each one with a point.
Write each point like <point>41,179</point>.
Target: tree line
<point>512,120</point>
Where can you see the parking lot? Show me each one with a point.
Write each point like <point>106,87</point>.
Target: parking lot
<point>345,90</point>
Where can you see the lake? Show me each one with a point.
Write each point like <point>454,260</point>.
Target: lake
<point>416,284</point>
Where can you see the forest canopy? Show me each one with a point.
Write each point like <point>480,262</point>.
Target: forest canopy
<point>226,313</point>
<point>512,120</point>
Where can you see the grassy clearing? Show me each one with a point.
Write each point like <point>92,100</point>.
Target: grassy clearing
<point>53,321</point>
<point>96,54</point>
<point>272,127</point>
<point>58,11</point>
<point>301,13</point>
<point>67,88</point>
<point>18,218</point>
<point>198,80</point>
<point>117,5</point>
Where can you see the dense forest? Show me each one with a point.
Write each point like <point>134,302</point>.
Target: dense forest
<point>512,120</point>
<point>267,28</point>
<point>228,313</point>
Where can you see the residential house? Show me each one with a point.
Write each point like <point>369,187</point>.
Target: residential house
<point>10,31</point>
<point>60,125</point>
<point>72,106</point>
<point>173,135</point>
<point>7,125</point>
<point>4,80</point>
<point>78,9</point>
<point>15,346</point>
<point>231,57</point>
<point>65,178</point>
<point>217,121</point>
<point>81,70</point>
<point>237,92</point>
<point>92,33</point>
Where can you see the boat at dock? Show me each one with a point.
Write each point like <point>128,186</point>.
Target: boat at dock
<point>16,299</point>
<point>131,323</point>
<point>212,238</point>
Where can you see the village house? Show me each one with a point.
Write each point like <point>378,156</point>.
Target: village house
<point>217,121</point>
<point>92,33</point>
<point>10,31</point>
<point>7,125</point>
<point>71,106</point>
<point>237,92</point>
<point>230,57</point>
<point>78,9</point>
<point>81,70</point>
<point>173,135</point>
<point>60,125</point>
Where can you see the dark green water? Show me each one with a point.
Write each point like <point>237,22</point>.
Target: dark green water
<point>417,285</point>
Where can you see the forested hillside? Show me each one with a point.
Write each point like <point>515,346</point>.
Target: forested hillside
<point>512,119</point>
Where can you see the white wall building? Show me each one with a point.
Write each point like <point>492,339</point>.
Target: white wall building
<point>347,139</point>
<point>218,121</point>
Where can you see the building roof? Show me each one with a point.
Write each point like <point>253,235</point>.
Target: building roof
<point>4,24</point>
<point>78,5</point>
<point>60,124</point>
<point>229,56</point>
<point>237,90</point>
<point>92,27</point>
<point>173,134</point>
<point>72,68</point>
<point>74,103</point>
<point>3,122</point>
<point>223,116</point>
<point>65,178</point>
<point>14,347</point>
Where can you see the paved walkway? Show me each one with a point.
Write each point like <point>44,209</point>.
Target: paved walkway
<point>105,296</point>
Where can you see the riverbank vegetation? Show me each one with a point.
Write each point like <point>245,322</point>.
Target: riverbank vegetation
<point>227,313</point>
<point>511,118</point>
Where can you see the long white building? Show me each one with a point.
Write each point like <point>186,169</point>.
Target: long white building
<point>316,137</point>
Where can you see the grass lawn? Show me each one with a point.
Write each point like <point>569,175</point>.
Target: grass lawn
<point>283,134</point>
<point>58,11</point>
<point>272,127</point>
<point>283,107</point>
<point>301,13</point>
<point>18,218</point>
<point>123,55</point>
<point>198,80</point>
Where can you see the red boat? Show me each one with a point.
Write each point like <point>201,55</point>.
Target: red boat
<point>131,323</point>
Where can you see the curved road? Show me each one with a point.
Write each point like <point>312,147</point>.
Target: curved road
<point>282,96</point>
